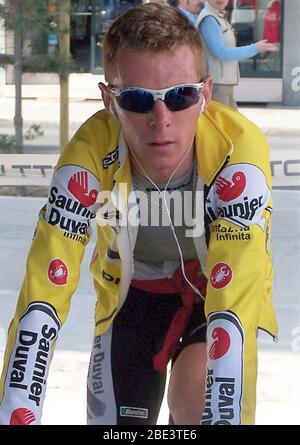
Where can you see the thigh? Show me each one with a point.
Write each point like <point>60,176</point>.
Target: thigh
<point>187,380</point>
<point>186,392</point>
<point>135,390</point>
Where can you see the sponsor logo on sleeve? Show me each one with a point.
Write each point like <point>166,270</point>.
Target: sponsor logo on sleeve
<point>29,362</point>
<point>21,416</point>
<point>58,272</point>
<point>232,189</point>
<point>78,185</point>
<point>221,275</point>
<point>224,380</point>
<point>239,195</point>
<point>111,158</point>
<point>220,345</point>
<point>72,199</point>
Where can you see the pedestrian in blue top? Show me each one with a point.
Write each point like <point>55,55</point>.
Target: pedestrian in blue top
<point>222,55</point>
<point>189,8</point>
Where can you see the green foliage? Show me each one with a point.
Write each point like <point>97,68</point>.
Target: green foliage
<point>8,143</point>
<point>36,23</point>
<point>34,14</point>
<point>39,63</point>
<point>33,132</point>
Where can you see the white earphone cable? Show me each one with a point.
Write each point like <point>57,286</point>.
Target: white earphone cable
<point>163,195</point>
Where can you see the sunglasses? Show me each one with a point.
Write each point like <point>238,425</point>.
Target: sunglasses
<point>142,100</point>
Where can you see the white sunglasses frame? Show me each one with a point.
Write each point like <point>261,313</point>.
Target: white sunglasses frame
<point>156,94</point>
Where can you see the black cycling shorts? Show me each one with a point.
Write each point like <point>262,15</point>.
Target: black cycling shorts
<point>132,390</point>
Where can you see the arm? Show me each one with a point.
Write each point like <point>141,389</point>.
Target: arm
<point>240,273</point>
<point>213,37</point>
<point>52,275</point>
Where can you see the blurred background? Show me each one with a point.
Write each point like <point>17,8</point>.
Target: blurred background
<point>265,78</point>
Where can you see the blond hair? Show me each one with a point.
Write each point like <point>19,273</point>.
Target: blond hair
<point>151,27</point>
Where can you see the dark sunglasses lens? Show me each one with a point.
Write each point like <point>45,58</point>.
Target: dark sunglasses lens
<point>182,97</point>
<point>137,101</point>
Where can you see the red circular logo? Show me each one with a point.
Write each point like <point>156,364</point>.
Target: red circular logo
<point>58,272</point>
<point>229,190</point>
<point>220,345</point>
<point>21,416</point>
<point>221,275</point>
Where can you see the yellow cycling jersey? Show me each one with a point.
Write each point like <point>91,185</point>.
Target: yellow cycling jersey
<point>93,180</point>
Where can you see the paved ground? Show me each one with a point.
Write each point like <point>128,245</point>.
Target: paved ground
<point>278,382</point>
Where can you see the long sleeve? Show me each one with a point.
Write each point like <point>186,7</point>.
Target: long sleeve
<point>51,277</point>
<point>213,37</point>
<point>239,271</point>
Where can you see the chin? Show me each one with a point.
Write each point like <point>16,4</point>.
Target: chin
<point>163,168</point>
<point>162,161</point>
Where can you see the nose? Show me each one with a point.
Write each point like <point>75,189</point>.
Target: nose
<point>159,116</point>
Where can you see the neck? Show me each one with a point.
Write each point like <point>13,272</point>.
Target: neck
<point>161,176</point>
<point>186,9</point>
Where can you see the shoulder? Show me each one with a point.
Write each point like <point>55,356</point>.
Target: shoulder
<point>247,173</point>
<point>242,189</point>
<point>81,172</point>
<point>239,128</point>
<point>209,23</point>
<point>97,131</point>
<point>96,137</point>
<point>207,17</point>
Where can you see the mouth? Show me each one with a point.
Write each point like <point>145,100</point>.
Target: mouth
<point>161,144</point>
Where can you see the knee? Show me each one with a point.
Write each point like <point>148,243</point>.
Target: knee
<point>186,410</point>
<point>187,385</point>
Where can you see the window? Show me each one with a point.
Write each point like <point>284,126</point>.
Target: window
<point>255,20</point>
<point>104,12</point>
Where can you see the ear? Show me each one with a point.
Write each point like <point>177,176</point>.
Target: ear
<point>207,89</point>
<point>106,95</point>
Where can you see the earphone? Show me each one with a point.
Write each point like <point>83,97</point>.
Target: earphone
<point>202,108</point>
<point>163,195</point>
<point>113,111</point>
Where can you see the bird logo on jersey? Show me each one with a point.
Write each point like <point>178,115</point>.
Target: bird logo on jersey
<point>227,190</point>
<point>78,186</point>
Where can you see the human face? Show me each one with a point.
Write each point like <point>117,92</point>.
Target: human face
<point>160,138</point>
<point>220,5</point>
<point>193,6</point>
